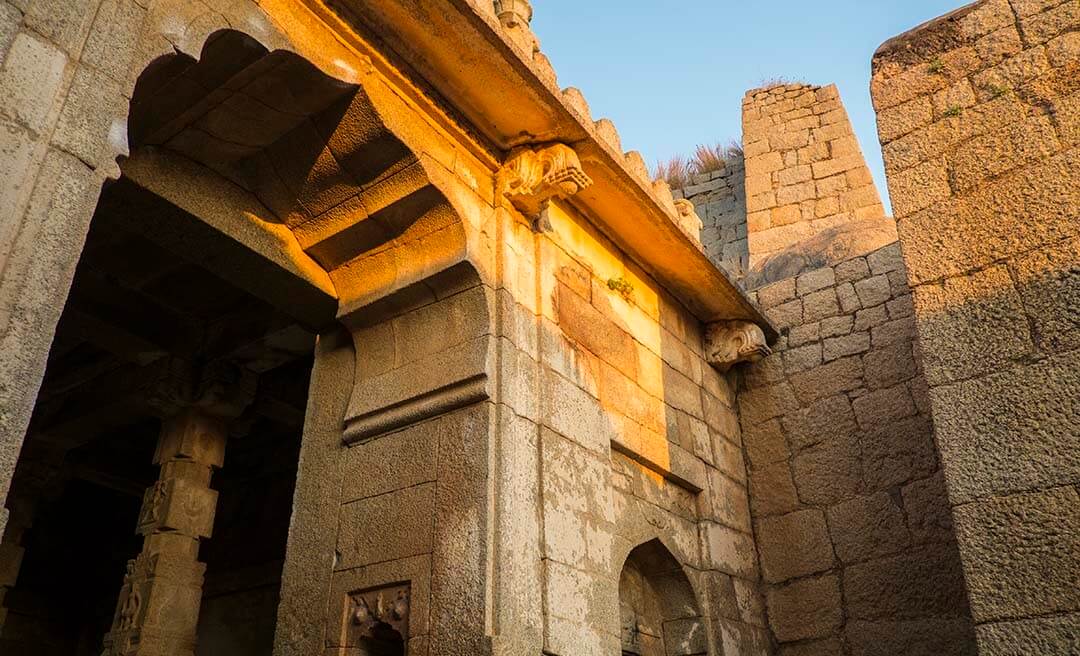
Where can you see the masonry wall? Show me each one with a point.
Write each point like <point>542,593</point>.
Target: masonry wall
<point>720,200</point>
<point>638,440</point>
<point>849,506</point>
<point>979,117</point>
<point>804,170</point>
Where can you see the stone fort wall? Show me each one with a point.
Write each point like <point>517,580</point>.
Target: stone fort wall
<point>979,117</point>
<point>850,513</point>
<point>849,507</point>
<point>720,200</point>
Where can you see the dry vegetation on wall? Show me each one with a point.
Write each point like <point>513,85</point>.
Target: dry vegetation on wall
<point>706,159</point>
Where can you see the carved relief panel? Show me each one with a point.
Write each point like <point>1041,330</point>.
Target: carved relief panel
<point>377,620</point>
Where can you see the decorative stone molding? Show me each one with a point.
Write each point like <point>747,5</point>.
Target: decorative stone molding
<point>727,343</point>
<point>416,409</point>
<point>515,16</point>
<point>530,177</point>
<point>514,13</point>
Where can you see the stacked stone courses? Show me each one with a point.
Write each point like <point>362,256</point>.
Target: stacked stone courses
<point>979,118</point>
<point>624,382</point>
<point>804,170</point>
<point>849,506</point>
<point>720,200</point>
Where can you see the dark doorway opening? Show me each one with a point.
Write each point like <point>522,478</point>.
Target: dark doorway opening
<point>137,307</point>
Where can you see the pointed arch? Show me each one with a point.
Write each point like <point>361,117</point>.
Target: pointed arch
<point>658,610</point>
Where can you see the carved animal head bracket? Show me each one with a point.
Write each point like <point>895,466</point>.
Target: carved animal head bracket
<point>727,343</point>
<point>532,176</point>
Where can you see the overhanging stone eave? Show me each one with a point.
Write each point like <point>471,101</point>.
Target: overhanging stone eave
<point>626,213</point>
<point>518,105</point>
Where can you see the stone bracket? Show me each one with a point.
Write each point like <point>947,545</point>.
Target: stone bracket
<point>532,176</point>
<point>727,343</point>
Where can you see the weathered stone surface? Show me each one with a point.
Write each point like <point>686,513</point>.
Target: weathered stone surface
<point>971,326</point>
<point>873,291</point>
<point>1049,635</point>
<point>1049,285</point>
<point>30,79</point>
<point>826,647</point>
<point>878,410</point>
<point>765,443</point>
<point>841,375</point>
<point>924,637</point>
<point>925,582</point>
<point>810,608</point>
<point>1010,431</point>
<point>815,280</point>
<point>830,418</point>
<point>793,545</point>
<point>761,404</point>
<point>839,347</point>
<point>1025,545</point>
<point>360,543</point>
<point>772,490</point>
<point>819,305</point>
<point>852,270</point>
<point>926,504</point>
<point>729,550</point>
<point>828,473</point>
<point>888,366</point>
<point>898,452</point>
<point>867,527</point>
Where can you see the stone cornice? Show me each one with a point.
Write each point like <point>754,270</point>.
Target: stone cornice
<point>510,96</point>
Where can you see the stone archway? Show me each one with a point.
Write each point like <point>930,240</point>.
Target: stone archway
<point>658,611</point>
<point>256,167</point>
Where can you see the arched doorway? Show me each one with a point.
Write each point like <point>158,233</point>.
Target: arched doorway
<point>658,611</point>
<point>152,497</point>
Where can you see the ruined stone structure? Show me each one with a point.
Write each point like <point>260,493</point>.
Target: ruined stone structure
<point>720,199</point>
<point>340,328</point>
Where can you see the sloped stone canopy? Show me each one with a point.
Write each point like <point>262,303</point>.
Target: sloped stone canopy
<point>310,160</point>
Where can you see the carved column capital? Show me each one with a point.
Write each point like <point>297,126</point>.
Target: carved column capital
<point>218,388</point>
<point>727,343</point>
<point>531,176</point>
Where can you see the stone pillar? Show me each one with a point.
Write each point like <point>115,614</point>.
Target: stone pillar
<point>805,172</point>
<point>158,609</point>
<point>979,117</point>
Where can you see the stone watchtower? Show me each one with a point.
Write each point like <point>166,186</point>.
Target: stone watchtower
<point>805,172</point>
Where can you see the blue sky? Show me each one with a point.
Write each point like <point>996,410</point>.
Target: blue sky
<point>672,74</point>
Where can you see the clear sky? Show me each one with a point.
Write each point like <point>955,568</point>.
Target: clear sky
<point>672,75</point>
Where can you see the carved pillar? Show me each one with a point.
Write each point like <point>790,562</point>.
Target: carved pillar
<point>158,608</point>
